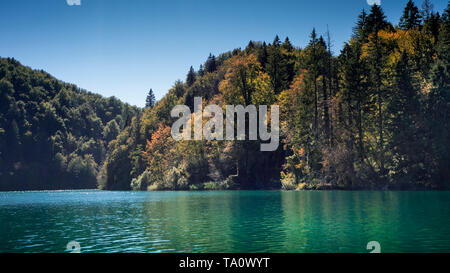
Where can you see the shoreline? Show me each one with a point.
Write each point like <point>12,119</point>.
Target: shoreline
<point>231,190</point>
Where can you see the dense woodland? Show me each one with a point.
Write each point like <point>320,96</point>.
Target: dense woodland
<point>52,134</point>
<point>373,117</point>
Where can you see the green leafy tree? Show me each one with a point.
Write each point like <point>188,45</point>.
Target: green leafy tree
<point>51,132</point>
<point>111,131</point>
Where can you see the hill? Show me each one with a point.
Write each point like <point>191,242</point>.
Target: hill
<point>373,117</point>
<point>53,135</point>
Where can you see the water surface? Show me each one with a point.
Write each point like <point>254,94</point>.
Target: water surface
<point>225,221</point>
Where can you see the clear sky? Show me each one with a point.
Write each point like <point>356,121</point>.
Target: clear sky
<point>123,48</point>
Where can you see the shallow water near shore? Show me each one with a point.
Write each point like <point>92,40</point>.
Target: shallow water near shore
<point>225,221</point>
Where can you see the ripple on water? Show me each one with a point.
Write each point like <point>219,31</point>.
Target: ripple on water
<point>249,221</point>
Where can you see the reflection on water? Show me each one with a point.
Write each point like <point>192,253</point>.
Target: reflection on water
<point>246,221</point>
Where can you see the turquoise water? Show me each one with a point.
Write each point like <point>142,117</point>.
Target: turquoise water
<point>234,221</point>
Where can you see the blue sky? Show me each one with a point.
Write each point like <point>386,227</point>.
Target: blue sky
<point>123,48</point>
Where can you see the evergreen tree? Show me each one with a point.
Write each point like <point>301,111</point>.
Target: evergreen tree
<point>403,109</point>
<point>251,45</point>
<point>201,71</point>
<point>376,64</point>
<point>432,25</point>
<point>443,45</point>
<point>276,41</point>
<point>354,91</point>
<point>376,20</point>
<point>276,68</point>
<point>287,45</point>
<point>361,30</point>
<point>411,17</point>
<point>438,113</point>
<point>191,77</point>
<point>151,100</point>
<point>427,10</point>
<point>236,51</point>
<point>323,63</point>
<point>331,77</point>
<point>290,60</point>
<point>210,65</point>
<point>262,55</point>
<point>312,64</point>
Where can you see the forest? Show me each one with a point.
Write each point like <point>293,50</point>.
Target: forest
<point>374,117</point>
<point>53,135</point>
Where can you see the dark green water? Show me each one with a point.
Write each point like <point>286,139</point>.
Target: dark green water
<point>247,221</point>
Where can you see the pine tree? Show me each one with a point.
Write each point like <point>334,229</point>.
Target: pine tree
<point>276,68</point>
<point>289,60</point>
<point>262,55</point>
<point>443,45</point>
<point>151,100</point>
<point>432,25</point>
<point>376,20</point>
<point>312,64</point>
<point>411,17</point>
<point>251,45</point>
<point>276,41</point>
<point>438,106</point>
<point>210,65</point>
<point>403,108</point>
<point>427,10</point>
<point>190,78</point>
<point>354,91</point>
<point>328,82</point>
<point>323,71</point>
<point>376,64</point>
<point>201,71</point>
<point>287,45</point>
<point>361,29</point>
<point>236,51</point>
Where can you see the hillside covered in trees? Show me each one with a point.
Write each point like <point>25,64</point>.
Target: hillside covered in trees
<point>375,116</point>
<point>52,134</point>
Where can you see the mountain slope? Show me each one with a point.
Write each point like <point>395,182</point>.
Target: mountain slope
<point>373,117</point>
<point>53,135</point>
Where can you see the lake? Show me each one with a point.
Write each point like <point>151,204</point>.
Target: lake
<point>225,221</point>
